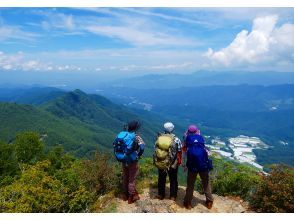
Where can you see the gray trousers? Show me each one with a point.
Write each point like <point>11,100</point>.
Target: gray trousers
<point>191,178</point>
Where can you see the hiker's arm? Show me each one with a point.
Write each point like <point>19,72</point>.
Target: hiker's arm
<point>184,155</point>
<point>205,147</point>
<point>141,145</point>
<point>179,151</point>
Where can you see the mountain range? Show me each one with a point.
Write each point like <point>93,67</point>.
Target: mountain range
<point>82,122</point>
<point>204,78</point>
<point>77,121</point>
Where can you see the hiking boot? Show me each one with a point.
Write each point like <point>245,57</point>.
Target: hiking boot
<point>130,199</point>
<point>136,197</point>
<point>160,197</point>
<point>133,198</point>
<point>188,205</point>
<point>125,197</point>
<point>209,204</point>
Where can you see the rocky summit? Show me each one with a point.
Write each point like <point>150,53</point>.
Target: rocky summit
<point>148,203</point>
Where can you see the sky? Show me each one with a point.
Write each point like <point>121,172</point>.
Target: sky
<point>136,41</point>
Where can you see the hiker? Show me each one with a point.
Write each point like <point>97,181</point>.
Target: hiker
<point>196,160</point>
<point>128,148</point>
<point>167,158</point>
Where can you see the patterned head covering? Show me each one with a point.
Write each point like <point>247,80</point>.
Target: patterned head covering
<point>192,129</point>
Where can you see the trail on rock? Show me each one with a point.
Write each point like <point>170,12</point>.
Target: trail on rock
<point>149,204</point>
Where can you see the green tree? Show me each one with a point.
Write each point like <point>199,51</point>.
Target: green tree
<point>8,163</point>
<point>59,159</point>
<point>29,148</point>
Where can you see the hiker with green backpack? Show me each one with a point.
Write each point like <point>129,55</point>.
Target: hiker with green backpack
<point>128,149</point>
<point>167,157</point>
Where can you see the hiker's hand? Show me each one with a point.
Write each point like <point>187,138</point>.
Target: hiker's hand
<point>185,168</point>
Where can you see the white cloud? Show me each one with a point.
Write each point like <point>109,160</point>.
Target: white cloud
<point>182,19</point>
<point>171,66</point>
<point>133,67</point>
<point>14,32</point>
<point>21,61</point>
<point>120,26</point>
<point>18,62</point>
<point>136,36</point>
<point>136,60</point>
<point>265,43</point>
<point>61,21</point>
<point>55,20</point>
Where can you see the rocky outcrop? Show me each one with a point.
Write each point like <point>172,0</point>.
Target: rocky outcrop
<point>149,204</point>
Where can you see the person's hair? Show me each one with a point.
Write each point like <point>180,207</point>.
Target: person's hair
<point>134,126</point>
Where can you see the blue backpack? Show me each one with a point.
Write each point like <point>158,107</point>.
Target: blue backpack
<point>197,157</point>
<point>124,145</point>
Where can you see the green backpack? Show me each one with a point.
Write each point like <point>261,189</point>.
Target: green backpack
<point>164,155</point>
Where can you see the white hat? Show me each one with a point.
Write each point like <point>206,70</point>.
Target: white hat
<point>169,127</point>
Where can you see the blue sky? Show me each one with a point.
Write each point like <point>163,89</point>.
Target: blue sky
<point>135,41</point>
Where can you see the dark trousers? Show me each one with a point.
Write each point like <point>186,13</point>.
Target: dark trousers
<point>130,173</point>
<point>173,179</point>
<point>191,178</point>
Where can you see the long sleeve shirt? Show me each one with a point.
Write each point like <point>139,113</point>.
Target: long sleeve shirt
<point>140,144</point>
<point>179,146</point>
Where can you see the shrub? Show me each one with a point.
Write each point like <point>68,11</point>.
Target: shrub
<point>38,191</point>
<point>35,191</point>
<point>147,169</point>
<point>233,179</point>
<point>276,191</point>
<point>147,174</point>
<point>59,158</point>
<point>80,200</point>
<point>100,175</point>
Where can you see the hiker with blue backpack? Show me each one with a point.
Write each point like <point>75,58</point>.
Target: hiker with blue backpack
<point>197,162</point>
<point>167,157</point>
<point>128,148</point>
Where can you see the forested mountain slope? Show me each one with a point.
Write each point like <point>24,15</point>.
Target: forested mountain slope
<point>79,122</point>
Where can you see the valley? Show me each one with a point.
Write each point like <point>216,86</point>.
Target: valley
<point>226,112</point>
<point>238,148</point>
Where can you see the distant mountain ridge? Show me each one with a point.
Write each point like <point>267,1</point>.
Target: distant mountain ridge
<point>31,95</point>
<point>205,78</point>
<point>235,97</point>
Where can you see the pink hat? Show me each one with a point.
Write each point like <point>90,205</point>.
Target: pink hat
<point>192,129</point>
